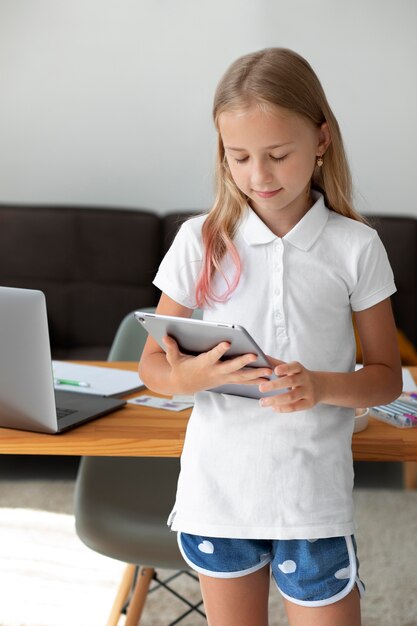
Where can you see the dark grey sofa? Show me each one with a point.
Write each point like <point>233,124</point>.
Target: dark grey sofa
<point>94,266</point>
<point>97,264</point>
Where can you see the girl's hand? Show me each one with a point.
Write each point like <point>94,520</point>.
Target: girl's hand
<point>190,374</point>
<point>301,383</point>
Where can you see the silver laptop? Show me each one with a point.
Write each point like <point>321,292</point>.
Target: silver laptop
<point>28,400</point>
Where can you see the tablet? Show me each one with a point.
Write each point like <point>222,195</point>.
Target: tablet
<point>195,336</point>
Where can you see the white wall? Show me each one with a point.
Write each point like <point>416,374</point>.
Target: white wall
<point>108,102</point>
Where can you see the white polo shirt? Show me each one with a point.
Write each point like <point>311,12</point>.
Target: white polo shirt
<point>247,472</point>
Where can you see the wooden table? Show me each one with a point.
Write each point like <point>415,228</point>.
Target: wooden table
<point>144,431</point>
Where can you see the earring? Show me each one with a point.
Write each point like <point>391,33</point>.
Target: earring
<point>319,161</point>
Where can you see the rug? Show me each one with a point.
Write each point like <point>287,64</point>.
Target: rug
<point>49,578</point>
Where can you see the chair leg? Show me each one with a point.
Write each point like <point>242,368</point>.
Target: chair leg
<point>139,595</point>
<point>122,595</point>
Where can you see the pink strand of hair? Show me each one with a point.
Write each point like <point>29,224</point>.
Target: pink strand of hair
<point>204,287</point>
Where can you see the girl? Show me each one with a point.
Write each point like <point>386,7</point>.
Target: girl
<point>266,486</point>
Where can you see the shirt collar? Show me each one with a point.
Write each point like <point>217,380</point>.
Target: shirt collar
<point>304,233</point>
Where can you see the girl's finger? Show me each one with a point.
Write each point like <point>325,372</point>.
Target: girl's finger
<point>274,362</point>
<point>256,373</point>
<point>274,385</point>
<point>288,369</point>
<point>216,353</point>
<point>172,351</point>
<point>239,362</point>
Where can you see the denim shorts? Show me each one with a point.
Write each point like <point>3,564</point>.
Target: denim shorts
<point>309,572</point>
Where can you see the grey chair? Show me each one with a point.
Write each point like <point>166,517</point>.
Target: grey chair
<point>121,508</point>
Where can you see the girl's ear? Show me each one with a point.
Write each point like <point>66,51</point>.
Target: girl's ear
<point>324,138</point>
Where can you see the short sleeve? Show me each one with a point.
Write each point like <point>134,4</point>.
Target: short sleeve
<point>180,268</point>
<point>375,277</point>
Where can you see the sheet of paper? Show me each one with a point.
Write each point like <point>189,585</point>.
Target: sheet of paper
<point>160,403</point>
<point>101,381</point>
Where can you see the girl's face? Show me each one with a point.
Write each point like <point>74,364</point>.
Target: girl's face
<point>272,156</point>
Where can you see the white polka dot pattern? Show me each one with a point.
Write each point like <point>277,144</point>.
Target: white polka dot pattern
<point>288,567</point>
<point>206,547</point>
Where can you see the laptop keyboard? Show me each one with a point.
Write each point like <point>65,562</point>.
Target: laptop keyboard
<point>61,413</point>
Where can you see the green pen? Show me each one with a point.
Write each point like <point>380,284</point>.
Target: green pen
<point>72,383</point>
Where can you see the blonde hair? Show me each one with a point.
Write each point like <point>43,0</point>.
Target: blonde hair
<point>274,77</point>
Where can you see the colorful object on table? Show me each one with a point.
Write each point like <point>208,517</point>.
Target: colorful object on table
<point>401,413</point>
<point>71,383</point>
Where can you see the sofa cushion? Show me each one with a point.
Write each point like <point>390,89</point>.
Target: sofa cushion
<point>94,266</point>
